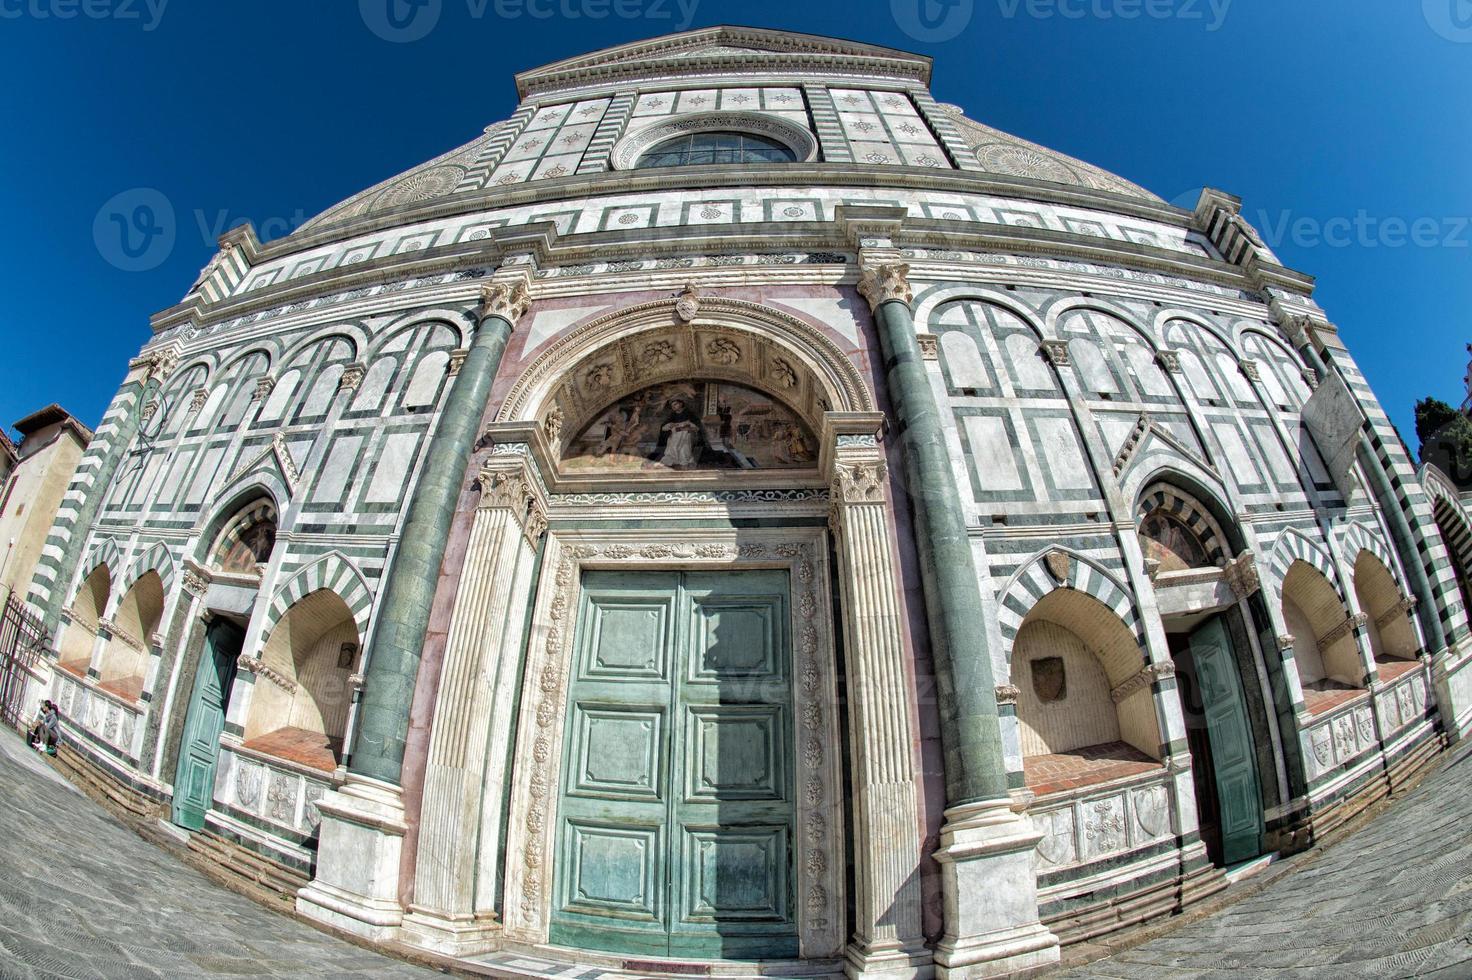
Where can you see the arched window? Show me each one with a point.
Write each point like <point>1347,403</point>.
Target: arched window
<point>715,148</point>
<point>247,541</point>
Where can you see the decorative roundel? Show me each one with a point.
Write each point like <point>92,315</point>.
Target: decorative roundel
<point>627,151</point>
<point>1019,161</point>
<point>424,186</point>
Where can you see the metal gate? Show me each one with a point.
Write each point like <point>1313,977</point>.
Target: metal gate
<point>21,641</point>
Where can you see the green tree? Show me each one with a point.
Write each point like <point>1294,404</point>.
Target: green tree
<point>1431,415</point>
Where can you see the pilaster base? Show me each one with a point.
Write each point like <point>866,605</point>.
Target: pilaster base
<point>356,888</point>
<point>450,935</point>
<point>889,964</point>
<point>1451,682</point>
<point>991,896</point>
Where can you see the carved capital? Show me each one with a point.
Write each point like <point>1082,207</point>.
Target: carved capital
<point>536,523</point>
<point>352,377</point>
<point>1249,370</point>
<point>1007,694</point>
<point>1169,360</point>
<point>1242,577</point>
<point>507,300</point>
<point>198,398</point>
<point>161,363</point>
<point>881,283</point>
<point>1285,642</point>
<point>457,361</point>
<point>929,346</point>
<point>264,387</point>
<point>859,483</point>
<point>149,410</point>
<point>1312,379</point>
<point>503,489</point>
<point>196,581</point>
<point>1057,352</point>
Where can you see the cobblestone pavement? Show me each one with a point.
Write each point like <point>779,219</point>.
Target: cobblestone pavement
<point>83,896</point>
<point>1394,899</point>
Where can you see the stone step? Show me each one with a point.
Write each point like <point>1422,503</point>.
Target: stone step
<point>245,870</point>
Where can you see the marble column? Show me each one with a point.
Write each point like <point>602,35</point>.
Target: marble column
<point>888,938</point>
<point>356,887</point>
<point>464,778</point>
<point>986,847</point>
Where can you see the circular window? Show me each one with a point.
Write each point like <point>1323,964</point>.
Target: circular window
<point>716,148</point>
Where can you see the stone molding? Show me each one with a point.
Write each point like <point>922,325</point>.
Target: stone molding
<point>196,579</point>
<point>627,151</point>
<point>255,665</point>
<point>881,283</point>
<point>1142,678</point>
<point>1348,625</point>
<point>1404,607</point>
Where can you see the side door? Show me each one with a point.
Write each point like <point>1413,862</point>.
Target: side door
<point>1234,760</point>
<point>194,782</point>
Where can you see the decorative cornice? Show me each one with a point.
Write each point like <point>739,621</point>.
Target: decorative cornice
<point>1346,626</point>
<point>879,284</point>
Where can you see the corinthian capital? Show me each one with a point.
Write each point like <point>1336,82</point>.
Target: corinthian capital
<point>882,283</point>
<point>859,483</point>
<point>507,300</point>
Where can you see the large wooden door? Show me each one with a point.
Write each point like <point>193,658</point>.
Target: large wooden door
<point>676,816</point>
<point>194,782</point>
<point>1232,757</point>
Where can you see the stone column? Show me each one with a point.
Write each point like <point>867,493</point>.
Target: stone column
<point>362,830</point>
<point>94,480</point>
<point>990,891</point>
<point>460,817</point>
<point>888,938</point>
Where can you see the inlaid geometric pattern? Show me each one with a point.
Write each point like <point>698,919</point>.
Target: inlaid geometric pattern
<point>1035,582</point>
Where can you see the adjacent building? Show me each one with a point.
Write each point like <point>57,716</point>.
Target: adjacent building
<point>741,509</point>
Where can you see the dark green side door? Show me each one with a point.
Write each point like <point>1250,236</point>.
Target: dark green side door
<point>676,818</point>
<point>1234,760</point>
<point>194,783</point>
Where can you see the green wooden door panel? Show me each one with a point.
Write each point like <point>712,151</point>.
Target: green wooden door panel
<point>1232,751</point>
<point>677,813</point>
<point>194,781</point>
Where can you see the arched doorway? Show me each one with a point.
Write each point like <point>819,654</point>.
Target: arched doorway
<point>234,561</point>
<point>1202,594</point>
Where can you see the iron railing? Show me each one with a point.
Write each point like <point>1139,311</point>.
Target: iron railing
<point>22,639</point>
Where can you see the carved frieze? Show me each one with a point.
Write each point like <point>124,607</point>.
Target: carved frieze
<point>255,665</point>
<point>1402,608</point>
<point>1007,694</point>
<point>1347,626</point>
<point>1142,678</point>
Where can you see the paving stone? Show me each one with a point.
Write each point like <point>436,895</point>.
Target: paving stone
<point>1394,899</point>
<point>82,896</point>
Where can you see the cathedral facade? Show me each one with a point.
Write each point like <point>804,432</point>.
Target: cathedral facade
<point>740,510</point>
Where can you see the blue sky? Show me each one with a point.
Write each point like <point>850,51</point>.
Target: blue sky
<point>1345,126</point>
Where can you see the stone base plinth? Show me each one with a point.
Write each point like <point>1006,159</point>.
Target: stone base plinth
<point>889,964</point>
<point>991,901</point>
<point>450,935</point>
<point>356,888</point>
